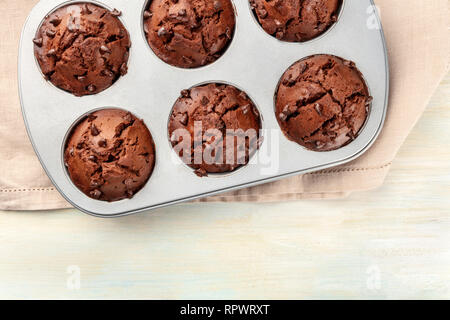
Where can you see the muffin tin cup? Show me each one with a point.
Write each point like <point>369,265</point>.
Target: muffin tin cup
<point>253,62</point>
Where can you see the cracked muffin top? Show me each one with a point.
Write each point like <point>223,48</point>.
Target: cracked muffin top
<point>296,20</point>
<point>322,102</point>
<point>110,155</point>
<point>215,128</point>
<point>189,33</point>
<point>82,48</point>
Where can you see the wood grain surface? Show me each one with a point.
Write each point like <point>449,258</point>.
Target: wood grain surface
<point>389,243</point>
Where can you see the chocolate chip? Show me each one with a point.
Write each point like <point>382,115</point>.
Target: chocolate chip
<point>51,53</point>
<point>55,21</point>
<point>201,173</point>
<point>164,34</point>
<point>283,117</point>
<point>279,35</point>
<point>116,13</point>
<point>38,42</point>
<point>185,93</point>
<point>147,14</point>
<point>351,135</point>
<point>319,144</point>
<point>92,158</point>
<point>102,143</point>
<point>123,69</point>
<point>290,109</point>
<point>86,9</point>
<point>302,67</point>
<point>104,49</point>
<point>243,95</point>
<point>299,37</point>
<point>263,13</point>
<point>118,143</point>
<point>80,145</point>
<point>288,82</point>
<point>318,108</point>
<point>205,100</point>
<point>96,194</point>
<point>107,73</point>
<point>187,60</point>
<point>120,128</point>
<point>228,33</point>
<point>349,63</point>
<point>81,78</point>
<point>91,88</point>
<point>94,130</point>
<point>195,25</point>
<point>95,183</point>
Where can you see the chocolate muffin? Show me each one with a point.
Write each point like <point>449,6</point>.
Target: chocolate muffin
<point>296,20</point>
<point>82,48</point>
<point>187,33</point>
<point>110,155</point>
<point>322,102</point>
<point>215,128</point>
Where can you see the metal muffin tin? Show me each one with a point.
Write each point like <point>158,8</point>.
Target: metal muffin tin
<point>254,62</point>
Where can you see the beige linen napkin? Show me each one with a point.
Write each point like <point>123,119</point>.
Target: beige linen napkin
<point>418,42</point>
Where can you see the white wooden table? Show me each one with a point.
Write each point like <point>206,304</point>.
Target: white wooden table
<point>389,243</point>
